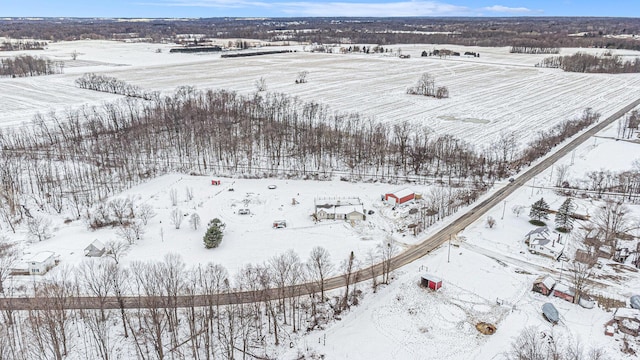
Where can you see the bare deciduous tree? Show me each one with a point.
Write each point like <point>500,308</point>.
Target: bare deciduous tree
<point>39,228</point>
<point>261,84</point>
<point>387,250</point>
<point>176,217</point>
<point>194,221</point>
<point>116,249</point>
<point>173,196</point>
<point>320,267</point>
<point>561,174</point>
<point>612,220</point>
<point>188,193</point>
<point>517,210</point>
<point>491,222</point>
<point>580,274</point>
<point>145,213</point>
<point>8,257</point>
<point>302,77</point>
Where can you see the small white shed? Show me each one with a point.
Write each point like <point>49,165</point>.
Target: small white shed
<point>41,262</point>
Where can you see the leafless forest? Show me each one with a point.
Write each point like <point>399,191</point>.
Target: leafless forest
<point>76,159</point>
<point>161,328</point>
<point>27,65</point>
<point>528,32</point>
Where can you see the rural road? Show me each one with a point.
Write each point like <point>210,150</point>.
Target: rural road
<point>411,254</point>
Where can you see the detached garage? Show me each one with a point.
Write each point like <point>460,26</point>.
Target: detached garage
<point>400,197</point>
<point>431,281</point>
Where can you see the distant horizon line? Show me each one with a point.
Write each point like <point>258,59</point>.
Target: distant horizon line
<point>40,18</point>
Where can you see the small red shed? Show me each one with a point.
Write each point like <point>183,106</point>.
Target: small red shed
<point>564,292</point>
<point>544,285</point>
<point>400,197</point>
<point>216,182</point>
<point>431,281</point>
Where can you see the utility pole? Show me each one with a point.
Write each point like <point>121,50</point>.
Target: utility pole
<point>573,155</point>
<point>449,251</point>
<point>503,209</point>
<point>533,186</point>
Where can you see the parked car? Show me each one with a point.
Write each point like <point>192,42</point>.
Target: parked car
<point>271,187</point>
<point>244,212</point>
<point>371,212</point>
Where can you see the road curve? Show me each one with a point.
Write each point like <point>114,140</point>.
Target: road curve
<point>411,254</point>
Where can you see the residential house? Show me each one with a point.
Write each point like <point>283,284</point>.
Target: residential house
<point>41,262</point>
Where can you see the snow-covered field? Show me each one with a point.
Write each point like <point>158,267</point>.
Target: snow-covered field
<point>497,92</point>
<point>494,93</point>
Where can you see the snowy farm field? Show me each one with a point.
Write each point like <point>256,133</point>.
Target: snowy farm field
<point>497,92</point>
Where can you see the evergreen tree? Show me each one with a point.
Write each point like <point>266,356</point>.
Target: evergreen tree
<point>564,221</point>
<point>213,237</point>
<point>539,210</point>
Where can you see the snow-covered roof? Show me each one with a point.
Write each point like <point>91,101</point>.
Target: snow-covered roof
<point>542,230</point>
<point>330,202</point>
<point>626,313</point>
<point>547,281</point>
<point>431,277</point>
<point>402,193</point>
<point>95,244</point>
<point>41,256</point>
<point>564,289</point>
<point>348,209</point>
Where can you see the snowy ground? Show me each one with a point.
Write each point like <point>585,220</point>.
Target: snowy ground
<point>494,93</point>
<point>497,92</point>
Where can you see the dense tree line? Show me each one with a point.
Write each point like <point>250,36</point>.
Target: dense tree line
<point>533,50</point>
<point>112,85</point>
<point>22,45</point>
<point>587,63</point>
<point>163,327</point>
<point>26,65</point>
<point>72,161</point>
<point>533,32</point>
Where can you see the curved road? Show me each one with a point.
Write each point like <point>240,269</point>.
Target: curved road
<point>411,254</point>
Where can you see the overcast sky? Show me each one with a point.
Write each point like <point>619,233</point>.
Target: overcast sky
<point>294,8</point>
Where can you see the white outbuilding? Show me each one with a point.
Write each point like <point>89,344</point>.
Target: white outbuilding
<point>41,262</point>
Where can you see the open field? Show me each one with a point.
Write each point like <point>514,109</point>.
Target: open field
<point>497,92</point>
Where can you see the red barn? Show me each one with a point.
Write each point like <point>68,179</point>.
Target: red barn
<point>400,197</point>
<point>544,285</point>
<point>431,281</point>
<point>564,292</point>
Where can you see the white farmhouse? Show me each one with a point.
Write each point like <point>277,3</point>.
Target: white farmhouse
<point>41,262</point>
<point>339,209</point>
<point>544,242</point>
